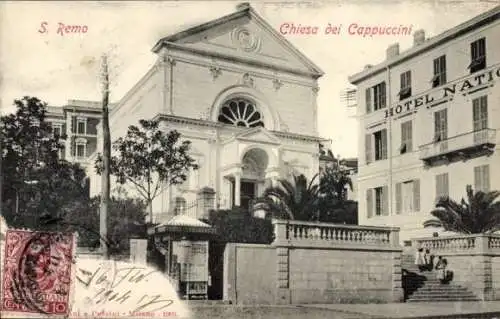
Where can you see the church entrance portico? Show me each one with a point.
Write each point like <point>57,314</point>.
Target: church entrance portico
<point>247,179</point>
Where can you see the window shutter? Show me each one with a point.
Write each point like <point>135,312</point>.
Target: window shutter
<point>445,124</point>
<point>368,98</point>
<point>369,203</point>
<point>475,114</point>
<point>477,179</point>
<point>385,201</point>
<point>409,136</point>
<point>383,97</point>
<point>416,195</point>
<point>398,197</point>
<point>73,124</point>
<point>486,178</point>
<point>446,185</point>
<point>436,66</point>
<point>384,143</point>
<point>368,148</point>
<point>484,112</point>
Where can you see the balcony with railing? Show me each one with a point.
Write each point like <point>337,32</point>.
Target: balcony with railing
<point>459,147</point>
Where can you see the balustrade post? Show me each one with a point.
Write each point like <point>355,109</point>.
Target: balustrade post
<point>280,230</point>
<point>484,280</point>
<point>394,237</point>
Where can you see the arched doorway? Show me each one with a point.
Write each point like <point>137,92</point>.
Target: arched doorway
<point>254,164</point>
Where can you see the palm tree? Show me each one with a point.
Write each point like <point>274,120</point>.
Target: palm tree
<point>479,214</point>
<point>296,199</point>
<point>334,184</point>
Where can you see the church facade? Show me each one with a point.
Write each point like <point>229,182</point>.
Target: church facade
<point>242,94</point>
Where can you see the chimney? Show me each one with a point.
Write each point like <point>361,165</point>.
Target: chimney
<point>392,51</point>
<point>243,6</point>
<point>418,37</point>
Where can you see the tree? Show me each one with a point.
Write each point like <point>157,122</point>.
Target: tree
<point>334,207</point>
<point>148,158</point>
<point>126,219</point>
<point>479,214</point>
<point>31,168</point>
<point>297,199</point>
<point>237,225</point>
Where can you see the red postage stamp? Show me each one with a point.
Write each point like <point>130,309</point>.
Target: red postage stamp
<point>37,273</point>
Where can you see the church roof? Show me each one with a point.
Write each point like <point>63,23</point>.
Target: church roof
<point>242,11</point>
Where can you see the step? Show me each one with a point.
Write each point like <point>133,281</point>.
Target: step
<point>442,300</point>
<point>442,296</point>
<point>431,291</point>
<point>439,294</point>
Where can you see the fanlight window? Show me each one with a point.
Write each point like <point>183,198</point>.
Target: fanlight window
<point>240,112</point>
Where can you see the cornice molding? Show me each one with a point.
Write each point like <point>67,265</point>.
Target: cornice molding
<point>238,70</point>
<point>239,60</point>
<point>205,123</point>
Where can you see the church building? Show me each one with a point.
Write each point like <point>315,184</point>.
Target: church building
<point>242,94</point>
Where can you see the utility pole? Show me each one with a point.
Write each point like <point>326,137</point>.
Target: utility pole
<point>106,154</point>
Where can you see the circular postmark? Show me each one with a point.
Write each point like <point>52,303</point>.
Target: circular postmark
<point>42,281</point>
<point>46,271</point>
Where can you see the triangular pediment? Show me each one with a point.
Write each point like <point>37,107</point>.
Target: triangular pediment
<point>246,36</point>
<point>258,135</point>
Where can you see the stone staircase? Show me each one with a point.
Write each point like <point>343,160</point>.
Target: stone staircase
<point>426,287</point>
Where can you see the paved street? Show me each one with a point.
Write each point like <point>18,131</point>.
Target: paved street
<point>437,310</point>
<point>269,312</point>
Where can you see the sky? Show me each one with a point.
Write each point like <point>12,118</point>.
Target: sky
<point>56,67</point>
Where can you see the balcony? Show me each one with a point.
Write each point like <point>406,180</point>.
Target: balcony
<point>459,147</point>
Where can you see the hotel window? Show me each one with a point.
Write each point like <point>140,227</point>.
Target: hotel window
<point>377,201</point>
<point>408,197</point>
<point>81,148</point>
<point>379,96</point>
<point>480,118</point>
<point>439,77</point>
<point>379,149</point>
<point>478,55</point>
<point>482,178</point>
<point>442,185</point>
<point>405,90</point>
<point>376,97</point>
<point>380,138</point>
<point>57,129</point>
<point>81,125</point>
<point>406,137</point>
<point>440,125</point>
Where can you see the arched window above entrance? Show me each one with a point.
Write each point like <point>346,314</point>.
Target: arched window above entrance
<point>240,112</point>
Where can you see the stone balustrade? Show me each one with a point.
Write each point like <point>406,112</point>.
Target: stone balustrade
<point>299,233</point>
<point>473,259</point>
<point>479,243</point>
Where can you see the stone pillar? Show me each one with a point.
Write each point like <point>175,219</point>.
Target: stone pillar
<point>484,288</point>
<point>283,270</point>
<point>397,284</point>
<point>206,202</point>
<point>237,189</point>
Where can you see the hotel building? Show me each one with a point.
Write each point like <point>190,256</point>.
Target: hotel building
<point>78,120</point>
<point>428,121</point>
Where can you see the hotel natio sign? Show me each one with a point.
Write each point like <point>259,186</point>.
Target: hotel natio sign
<point>447,91</point>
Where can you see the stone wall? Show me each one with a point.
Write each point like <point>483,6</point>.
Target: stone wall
<point>316,263</point>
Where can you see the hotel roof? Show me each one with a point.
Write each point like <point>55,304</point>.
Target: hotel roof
<point>469,25</point>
